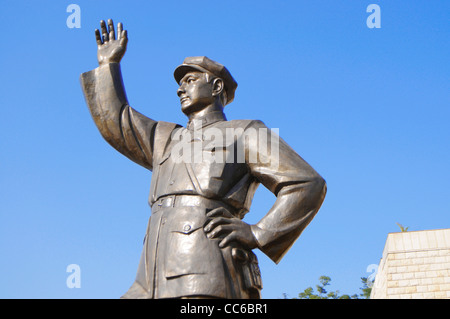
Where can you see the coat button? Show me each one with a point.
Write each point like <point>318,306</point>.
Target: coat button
<point>187,227</point>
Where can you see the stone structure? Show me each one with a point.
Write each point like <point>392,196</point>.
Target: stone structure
<point>415,265</point>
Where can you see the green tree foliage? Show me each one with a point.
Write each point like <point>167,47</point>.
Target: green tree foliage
<point>403,229</point>
<point>321,291</point>
<point>366,288</point>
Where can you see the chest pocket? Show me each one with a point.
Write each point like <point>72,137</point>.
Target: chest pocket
<point>208,174</point>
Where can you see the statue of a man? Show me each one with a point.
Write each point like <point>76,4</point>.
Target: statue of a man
<point>196,243</point>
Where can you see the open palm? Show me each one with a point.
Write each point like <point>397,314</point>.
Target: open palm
<point>110,49</point>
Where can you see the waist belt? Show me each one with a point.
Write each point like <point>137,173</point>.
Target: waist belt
<point>188,200</point>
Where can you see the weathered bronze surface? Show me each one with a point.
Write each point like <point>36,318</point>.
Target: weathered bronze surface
<point>196,243</point>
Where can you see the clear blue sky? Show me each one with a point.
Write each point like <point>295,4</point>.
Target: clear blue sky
<point>368,108</point>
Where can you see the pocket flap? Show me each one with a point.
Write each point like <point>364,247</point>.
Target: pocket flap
<point>186,228</point>
<point>187,223</point>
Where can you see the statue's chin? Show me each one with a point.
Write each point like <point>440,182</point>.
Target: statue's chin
<point>187,108</point>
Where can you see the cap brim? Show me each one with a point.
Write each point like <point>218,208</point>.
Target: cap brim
<point>184,69</point>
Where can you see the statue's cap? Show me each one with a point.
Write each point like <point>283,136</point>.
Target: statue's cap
<point>204,64</point>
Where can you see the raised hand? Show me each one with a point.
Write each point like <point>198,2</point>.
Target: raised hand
<point>110,49</point>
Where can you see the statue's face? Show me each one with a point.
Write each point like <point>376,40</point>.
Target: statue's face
<point>195,92</point>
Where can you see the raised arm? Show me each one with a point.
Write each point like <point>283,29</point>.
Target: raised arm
<point>128,131</point>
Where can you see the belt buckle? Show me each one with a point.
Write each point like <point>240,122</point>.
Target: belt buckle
<point>170,200</point>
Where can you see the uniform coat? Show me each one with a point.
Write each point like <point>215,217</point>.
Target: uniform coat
<point>178,259</point>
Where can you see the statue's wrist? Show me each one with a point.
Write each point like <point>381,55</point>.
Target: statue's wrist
<point>255,232</point>
<point>106,62</point>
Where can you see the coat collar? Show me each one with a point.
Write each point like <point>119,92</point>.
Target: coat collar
<point>205,120</point>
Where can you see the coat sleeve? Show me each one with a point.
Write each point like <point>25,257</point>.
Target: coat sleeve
<point>127,130</point>
<point>299,189</point>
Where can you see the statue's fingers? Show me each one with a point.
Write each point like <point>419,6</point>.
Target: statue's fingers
<point>124,38</point>
<point>215,222</point>
<point>112,34</point>
<point>103,27</point>
<point>220,230</point>
<point>119,30</point>
<point>104,31</point>
<point>219,212</point>
<point>98,37</point>
<point>231,237</point>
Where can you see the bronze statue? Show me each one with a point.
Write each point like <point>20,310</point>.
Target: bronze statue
<point>196,243</point>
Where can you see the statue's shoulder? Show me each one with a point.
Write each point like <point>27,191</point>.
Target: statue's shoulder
<point>244,124</point>
<point>164,130</point>
<point>169,126</point>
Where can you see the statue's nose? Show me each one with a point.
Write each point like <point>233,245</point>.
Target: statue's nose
<point>180,90</point>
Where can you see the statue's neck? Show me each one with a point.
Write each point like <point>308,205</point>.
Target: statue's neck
<point>213,108</point>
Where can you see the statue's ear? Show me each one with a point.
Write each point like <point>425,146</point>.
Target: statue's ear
<point>218,86</point>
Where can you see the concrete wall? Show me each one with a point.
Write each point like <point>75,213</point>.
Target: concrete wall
<point>415,264</point>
